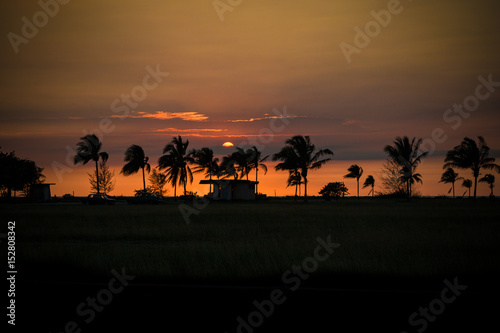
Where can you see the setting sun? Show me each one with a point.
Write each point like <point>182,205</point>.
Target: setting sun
<point>227,144</point>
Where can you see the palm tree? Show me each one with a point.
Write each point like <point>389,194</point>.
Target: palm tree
<point>136,159</point>
<point>370,181</point>
<point>467,183</point>
<point>88,149</point>
<point>228,167</point>
<point>450,176</point>
<point>256,160</point>
<point>355,171</point>
<point>242,159</point>
<point>294,179</point>
<point>175,160</point>
<point>471,155</point>
<point>407,154</point>
<point>206,162</point>
<point>300,154</point>
<point>490,180</point>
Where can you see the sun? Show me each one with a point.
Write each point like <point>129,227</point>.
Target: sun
<point>227,144</point>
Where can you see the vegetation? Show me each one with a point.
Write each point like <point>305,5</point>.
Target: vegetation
<point>102,179</point>
<point>399,174</point>
<point>407,155</point>
<point>261,240</point>
<point>206,162</point>
<point>490,180</point>
<point>391,182</point>
<point>467,183</point>
<point>370,182</point>
<point>471,155</point>
<point>257,160</point>
<point>158,180</point>
<point>450,176</point>
<point>89,149</point>
<point>334,190</point>
<point>18,174</point>
<point>294,179</point>
<point>175,161</point>
<point>300,154</point>
<point>136,159</point>
<point>355,171</point>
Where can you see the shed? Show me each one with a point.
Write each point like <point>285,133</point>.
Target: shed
<point>231,189</point>
<point>40,192</point>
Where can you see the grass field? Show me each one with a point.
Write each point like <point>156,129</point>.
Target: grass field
<point>250,242</point>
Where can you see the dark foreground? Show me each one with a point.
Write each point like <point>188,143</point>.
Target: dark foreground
<point>401,267</point>
<point>152,308</point>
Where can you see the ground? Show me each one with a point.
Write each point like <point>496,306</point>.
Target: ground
<point>386,259</point>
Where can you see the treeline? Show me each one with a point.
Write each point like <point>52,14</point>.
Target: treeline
<point>17,174</point>
<point>298,157</point>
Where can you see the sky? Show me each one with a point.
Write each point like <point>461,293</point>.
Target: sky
<point>353,75</point>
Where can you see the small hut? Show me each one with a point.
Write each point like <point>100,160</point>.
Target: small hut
<point>40,192</point>
<point>233,189</point>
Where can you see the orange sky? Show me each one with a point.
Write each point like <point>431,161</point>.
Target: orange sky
<point>175,68</point>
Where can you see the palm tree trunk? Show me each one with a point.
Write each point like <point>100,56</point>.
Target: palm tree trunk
<point>175,191</point>
<point>358,187</point>
<point>373,191</point>
<point>305,189</point>
<point>210,177</point>
<point>143,179</point>
<point>475,186</point>
<point>97,176</point>
<point>256,180</point>
<point>185,187</point>
<point>408,188</point>
<point>453,186</point>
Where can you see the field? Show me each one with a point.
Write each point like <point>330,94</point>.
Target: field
<point>384,245</point>
<point>254,241</point>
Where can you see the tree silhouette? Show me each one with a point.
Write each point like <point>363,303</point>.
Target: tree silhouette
<point>242,159</point>
<point>390,178</point>
<point>158,180</point>
<point>355,171</point>
<point>88,149</point>
<point>228,167</point>
<point>300,154</point>
<point>136,159</point>
<point>206,162</point>
<point>104,180</point>
<point>407,155</point>
<point>175,161</point>
<point>370,181</point>
<point>450,176</point>
<point>471,155</point>
<point>334,190</point>
<point>467,183</point>
<point>490,180</point>
<point>294,179</point>
<point>256,160</point>
<point>18,174</point>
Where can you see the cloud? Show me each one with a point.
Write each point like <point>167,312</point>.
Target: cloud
<point>190,130</point>
<point>266,116</point>
<point>164,115</point>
